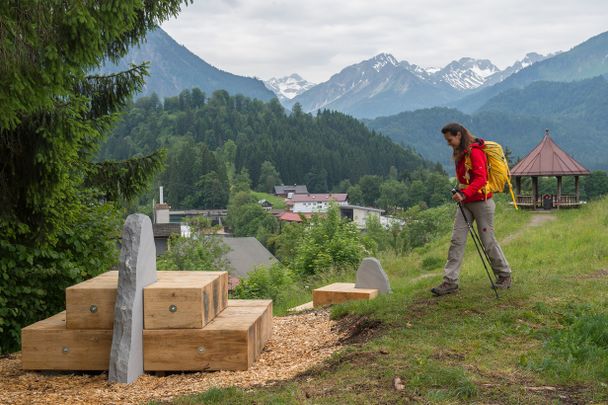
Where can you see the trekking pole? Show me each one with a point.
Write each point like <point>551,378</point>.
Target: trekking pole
<point>478,245</point>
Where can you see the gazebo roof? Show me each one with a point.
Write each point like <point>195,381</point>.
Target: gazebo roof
<point>547,159</point>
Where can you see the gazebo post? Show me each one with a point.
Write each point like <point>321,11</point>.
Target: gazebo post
<point>518,185</point>
<point>534,191</point>
<point>559,191</point>
<point>577,188</point>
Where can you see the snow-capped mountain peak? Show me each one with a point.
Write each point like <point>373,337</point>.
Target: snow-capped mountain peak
<point>289,86</point>
<point>381,60</point>
<point>530,59</point>
<point>467,73</point>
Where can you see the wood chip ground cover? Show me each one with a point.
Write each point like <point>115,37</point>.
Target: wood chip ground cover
<point>298,343</point>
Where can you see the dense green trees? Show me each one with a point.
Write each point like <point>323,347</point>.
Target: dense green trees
<point>240,133</point>
<point>247,218</point>
<point>59,221</point>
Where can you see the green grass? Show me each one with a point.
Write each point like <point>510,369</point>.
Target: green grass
<point>549,330</point>
<point>277,202</point>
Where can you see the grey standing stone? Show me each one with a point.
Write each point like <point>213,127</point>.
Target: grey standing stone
<point>371,275</point>
<point>137,270</point>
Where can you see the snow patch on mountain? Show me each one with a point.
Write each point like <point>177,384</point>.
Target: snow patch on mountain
<point>467,73</point>
<point>288,87</point>
<point>383,60</point>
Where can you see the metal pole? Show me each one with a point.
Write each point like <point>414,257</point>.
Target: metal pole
<point>477,240</point>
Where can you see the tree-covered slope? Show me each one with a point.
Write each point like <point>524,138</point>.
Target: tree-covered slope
<point>242,133</point>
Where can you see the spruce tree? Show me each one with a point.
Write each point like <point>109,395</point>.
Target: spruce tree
<point>56,223</point>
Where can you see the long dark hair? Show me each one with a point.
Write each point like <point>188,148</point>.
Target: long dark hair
<point>466,139</point>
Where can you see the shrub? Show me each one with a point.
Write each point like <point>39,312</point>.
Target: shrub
<point>329,241</point>
<point>264,282</point>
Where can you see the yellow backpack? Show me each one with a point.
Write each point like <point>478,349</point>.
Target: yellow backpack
<point>498,170</point>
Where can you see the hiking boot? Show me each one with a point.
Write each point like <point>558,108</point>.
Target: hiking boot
<point>447,287</point>
<point>503,282</point>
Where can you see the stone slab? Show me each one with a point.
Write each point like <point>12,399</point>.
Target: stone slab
<point>137,270</point>
<point>371,275</point>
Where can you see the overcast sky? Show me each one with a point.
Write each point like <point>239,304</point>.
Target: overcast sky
<point>317,38</point>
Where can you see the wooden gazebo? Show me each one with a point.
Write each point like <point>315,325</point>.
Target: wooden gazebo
<point>548,160</point>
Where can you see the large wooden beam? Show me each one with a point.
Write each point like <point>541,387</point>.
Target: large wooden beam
<point>232,341</point>
<point>341,292</point>
<point>90,304</point>
<point>49,345</point>
<point>185,299</point>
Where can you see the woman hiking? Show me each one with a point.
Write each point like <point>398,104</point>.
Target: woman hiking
<point>471,171</point>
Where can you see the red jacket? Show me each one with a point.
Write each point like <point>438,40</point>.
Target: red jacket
<point>474,179</point>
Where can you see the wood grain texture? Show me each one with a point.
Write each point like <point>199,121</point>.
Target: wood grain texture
<point>49,345</point>
<point>198,297</point>
<point>99,292</point>
<point>341,292</point>
<point>232,341</point>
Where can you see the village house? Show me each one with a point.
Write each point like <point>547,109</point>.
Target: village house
<point>284,191</point>
<point>309,203</point>
<point>359,215</point>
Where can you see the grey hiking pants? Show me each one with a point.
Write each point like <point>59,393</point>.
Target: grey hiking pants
<point>482,212</point>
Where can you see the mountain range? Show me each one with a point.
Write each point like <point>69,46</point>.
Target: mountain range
<point>174,68</point>
<point>409,102</point>
<point>574,112</point>
<point>383,85</point>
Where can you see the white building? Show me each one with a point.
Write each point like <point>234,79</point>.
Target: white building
<point>359,215</point>
<point>309,203</point>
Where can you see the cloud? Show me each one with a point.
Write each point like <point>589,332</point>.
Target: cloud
<point>317,38</point>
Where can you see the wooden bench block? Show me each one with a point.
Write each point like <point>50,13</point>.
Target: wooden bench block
<point>90,304</point>
<point>341,292</point>
<point>231,341</point>
<point>264,327</point>
<point>49,345</point>
<point>185,299</point>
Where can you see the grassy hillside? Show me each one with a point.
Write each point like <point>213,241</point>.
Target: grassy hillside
<point>544,340</point>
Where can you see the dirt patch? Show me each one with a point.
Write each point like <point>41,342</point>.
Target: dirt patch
<point>358,329</point>
<point>494,381</point>
<point>593,276</point>
<point>299,342</point>
<point>448,356</point>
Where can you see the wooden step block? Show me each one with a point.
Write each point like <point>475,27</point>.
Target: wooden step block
<point>49,345</point>
<point>90,304</point>
<point>231,341</point>
<point>341,292</point>
<point>265,324</point>
<point>185,299</point>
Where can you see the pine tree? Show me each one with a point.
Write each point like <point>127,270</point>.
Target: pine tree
<point>54,227</point>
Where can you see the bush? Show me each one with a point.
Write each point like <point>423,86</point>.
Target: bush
<point>33,279</point>
<point>264,282</point>
<point>202,250</point>
<point>329,241</point>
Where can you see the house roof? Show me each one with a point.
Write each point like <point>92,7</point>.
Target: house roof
<point>246,254</point>
<point>292,216</point>
<point>548,159</point>
<point>338,197</point>
<point>166,230</point>
<point>297,189</point>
